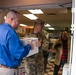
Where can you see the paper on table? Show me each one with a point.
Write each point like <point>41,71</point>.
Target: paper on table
<point>25,42</point>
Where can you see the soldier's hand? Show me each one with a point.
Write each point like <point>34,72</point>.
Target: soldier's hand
<point>32,45</point>
<point>38,43</point>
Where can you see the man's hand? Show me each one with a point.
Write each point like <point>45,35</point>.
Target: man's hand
<point>38,43</point>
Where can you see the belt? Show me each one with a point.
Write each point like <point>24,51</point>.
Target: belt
<point>3,66</point>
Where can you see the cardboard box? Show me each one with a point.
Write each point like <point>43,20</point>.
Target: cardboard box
<point>25,42</point>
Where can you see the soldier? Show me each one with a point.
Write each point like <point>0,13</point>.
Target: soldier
<point>36,62</point>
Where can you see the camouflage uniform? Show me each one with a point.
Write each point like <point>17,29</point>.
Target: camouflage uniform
<point>36,62</point>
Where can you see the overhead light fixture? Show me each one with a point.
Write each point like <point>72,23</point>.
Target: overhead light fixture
<point>26,26</point>
<point>30,16</point>
<point>47,25</point>
<point>23,25</point>
<point>4,17</point>
<point>51,28</point>
<point>30,27</point>
<point>36,11</point>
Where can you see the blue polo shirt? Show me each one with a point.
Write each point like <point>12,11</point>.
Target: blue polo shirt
<point>11,49</point>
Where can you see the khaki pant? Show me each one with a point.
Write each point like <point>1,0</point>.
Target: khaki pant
<point>8,71</point>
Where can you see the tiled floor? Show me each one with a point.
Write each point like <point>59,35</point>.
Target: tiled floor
<point>50,68</point>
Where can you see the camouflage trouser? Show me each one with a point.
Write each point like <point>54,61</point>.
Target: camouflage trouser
<point>36,67</point>
<point>40,69</point>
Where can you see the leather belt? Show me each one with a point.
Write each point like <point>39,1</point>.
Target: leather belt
<point>3,66</point>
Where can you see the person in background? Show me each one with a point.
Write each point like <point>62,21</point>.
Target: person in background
<point>61,47</point>
<point>11,49</point>
<point>57,46</point>
<point>36,62</point>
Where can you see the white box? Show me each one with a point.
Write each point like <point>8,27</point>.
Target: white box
<point>25,42</point>
<point>65,69</point>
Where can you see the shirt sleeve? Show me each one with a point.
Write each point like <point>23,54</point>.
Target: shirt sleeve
<point>15,47</point>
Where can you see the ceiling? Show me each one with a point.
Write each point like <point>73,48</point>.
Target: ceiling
<point>56,17</point>
<point>57,13</point>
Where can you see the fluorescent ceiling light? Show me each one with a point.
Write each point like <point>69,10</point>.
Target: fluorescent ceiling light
<point>4,17</point>
<point>30,27</point>
<point>47,25</point>
<point>36,11</point>
<point>51,28</point>
<point>30,16</point>
<point>23,25</point>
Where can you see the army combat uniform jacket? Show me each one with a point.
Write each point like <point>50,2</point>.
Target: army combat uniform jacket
<point>36,62</point>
